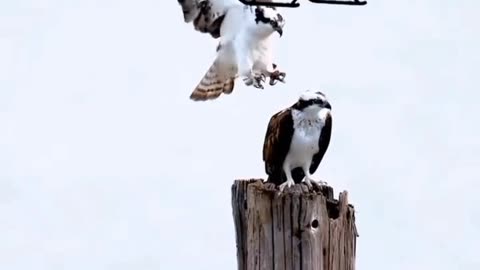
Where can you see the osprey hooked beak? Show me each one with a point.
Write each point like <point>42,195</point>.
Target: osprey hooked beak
<point>323,103</point>
<point>279,30</point>
<point>277,27</point>
<point>327,105</point>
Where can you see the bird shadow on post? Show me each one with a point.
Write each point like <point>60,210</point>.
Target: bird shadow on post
<point>302,228</point>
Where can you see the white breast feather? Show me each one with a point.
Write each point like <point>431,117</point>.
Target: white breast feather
<point>247,50</point>
<point>304,145</point>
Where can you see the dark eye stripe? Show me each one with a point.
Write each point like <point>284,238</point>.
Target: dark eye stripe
<point>260,16</point>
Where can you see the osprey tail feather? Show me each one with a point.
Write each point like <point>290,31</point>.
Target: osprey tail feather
<point>212,85</point>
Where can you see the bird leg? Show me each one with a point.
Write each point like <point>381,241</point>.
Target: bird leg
<point>276,75</point>
<point>245,68</point>
<point>255,79</point>
<point>309,180</point>
<point>249,76</point>
<point>289,182</point>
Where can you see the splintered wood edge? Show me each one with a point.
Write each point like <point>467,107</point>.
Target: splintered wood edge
<point>298,189</point>
<point>344,208</point>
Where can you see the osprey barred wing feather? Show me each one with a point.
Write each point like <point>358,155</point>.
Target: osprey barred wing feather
<point>207,15</point>
<point>213,84</point>
<point>217,80</point>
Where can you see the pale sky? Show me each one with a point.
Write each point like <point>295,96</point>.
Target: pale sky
<point>106,164</point>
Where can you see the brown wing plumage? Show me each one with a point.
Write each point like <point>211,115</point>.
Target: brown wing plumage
<point>213,84</point>
<point>277,144</point>
<point>190,9</point>
<point>323,143</point>
<point>207,16</point>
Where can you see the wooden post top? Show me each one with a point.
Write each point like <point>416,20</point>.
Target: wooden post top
<point>300,228</point>
<point>333,205</point>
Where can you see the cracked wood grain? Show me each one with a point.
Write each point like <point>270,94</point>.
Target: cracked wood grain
<point>302,229</point>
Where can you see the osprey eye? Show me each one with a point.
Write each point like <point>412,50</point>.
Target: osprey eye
<point>273,23</point>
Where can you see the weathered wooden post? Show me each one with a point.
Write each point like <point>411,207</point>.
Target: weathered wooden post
<point>300,229</point>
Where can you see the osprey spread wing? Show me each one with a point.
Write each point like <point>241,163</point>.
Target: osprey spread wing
<point>244,48</point>
<point>297,139</point>
<point>207,16</point>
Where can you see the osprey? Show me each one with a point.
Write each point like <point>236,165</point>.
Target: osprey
<point>297,139</point>
<point>244,48</point>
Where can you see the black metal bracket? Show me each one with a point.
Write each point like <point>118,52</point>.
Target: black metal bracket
<point>337,2</point>
<point>294,3</point>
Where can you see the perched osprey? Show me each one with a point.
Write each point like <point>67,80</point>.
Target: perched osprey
<point>244,48</point>
<point>297,139</point>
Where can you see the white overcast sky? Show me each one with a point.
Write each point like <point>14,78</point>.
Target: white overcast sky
<point>106,164</point>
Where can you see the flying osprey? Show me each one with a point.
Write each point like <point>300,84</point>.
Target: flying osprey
<point>244,47</point>
<point>297,139</point>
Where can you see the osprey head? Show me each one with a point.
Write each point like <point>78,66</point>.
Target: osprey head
<point>312,101</point>
<point>269,18</point>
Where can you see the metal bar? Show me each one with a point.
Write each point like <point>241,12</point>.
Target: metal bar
<point>292,4</point>
<point>338,2</point>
